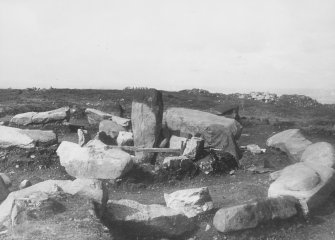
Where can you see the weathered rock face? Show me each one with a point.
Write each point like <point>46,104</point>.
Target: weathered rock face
<point>54,216</point>
<point>3,190</point>
<point>146,119</point>
<point>191,202</point>
<point>6,179</point>
<point>95,116</point>
<point>83,137</point>
<point>217,131</point>
<point>291,141</point>
<point>111,128</point>
<point>88,188</point>
<point>15,137</point>
<point>177,162</point>
<point>57,115</point>
<point>311,184</point>
<point>147,220</point>
<point>249,215</point>
<point>194,147</point>
<point>177,142</point>
<point>124,122</point>
<point>94,162</point>
<point>320,153</point>
<point>125,139</point>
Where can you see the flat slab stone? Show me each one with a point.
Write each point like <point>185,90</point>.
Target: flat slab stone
<point>15,137</point>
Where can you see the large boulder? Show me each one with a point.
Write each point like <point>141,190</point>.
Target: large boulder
<point>310,183</point>
<point>95,116</point>
<point>176,142</point>
<point>57,115</point>
<point>15,137</point>
<point>111,128</point>
<point>146,119</point>
<point>291,141</point>
<point>320,153</point>
<point>147,220</point>
<point>194,147</point>
<point>88,188</point>
<point>191,202</point>
<point>217,131</point>
<point>55,215</point>
<point>93,161</point>
<point>249,215</point>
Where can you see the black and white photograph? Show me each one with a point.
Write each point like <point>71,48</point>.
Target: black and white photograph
<point>167,120</point>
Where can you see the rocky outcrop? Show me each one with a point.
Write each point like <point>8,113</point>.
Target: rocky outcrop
<point>15,137</point>
<point>146,119</point>
<point>191,202</point>
<point>57,115</point>
<point>147,220</point>
<point>249,215</point>
<point>93,161</point>
<point>217,131</point>
<point>291,141</point>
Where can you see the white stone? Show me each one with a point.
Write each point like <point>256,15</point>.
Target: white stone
<point>93,162</point>
<point>291,141</point>
<point>177,142</point>
<point>15,137</point>
<point>24,184</point>
<point>6,179</point>
<point>320,153</point>
<point>125,138</point>
<point>83,137</point>
<point>124,122</point>
<point>194,147</point>
<point>191,202</point>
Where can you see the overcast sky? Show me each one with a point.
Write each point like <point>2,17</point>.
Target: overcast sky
<point>173,44</point>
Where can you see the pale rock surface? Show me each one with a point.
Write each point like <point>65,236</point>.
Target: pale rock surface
<point>322,177</point>
<point>24,184</point>
<point>176,142</point>
<point>191,202</point>
<point>56,115</point>
<point>217,131</point>
<point>249,215</point>
<point>291,141</point>
<point>89,188</point>
<point>83,137</point>
<point>6,179</point>
<point>146,121</point>
<point>94,162</point>
<point>95,116</point>
<point>320,153</point>
<point>15,137</point>
<point>125,139</point>
<point>124,122</point>
<point>194,147</point>
<point>148,220</point>
<point>111,128</point>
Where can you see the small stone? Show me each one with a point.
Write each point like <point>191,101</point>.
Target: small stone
<point>17,166</point>
<point>232,172</point>
<point>32,156</point>
<point>24,184</point>
<point>207,227</point>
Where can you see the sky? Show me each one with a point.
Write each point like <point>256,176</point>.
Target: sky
<point>218,45</point>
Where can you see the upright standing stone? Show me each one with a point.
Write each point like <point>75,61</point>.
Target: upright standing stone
<point>146,119</point>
